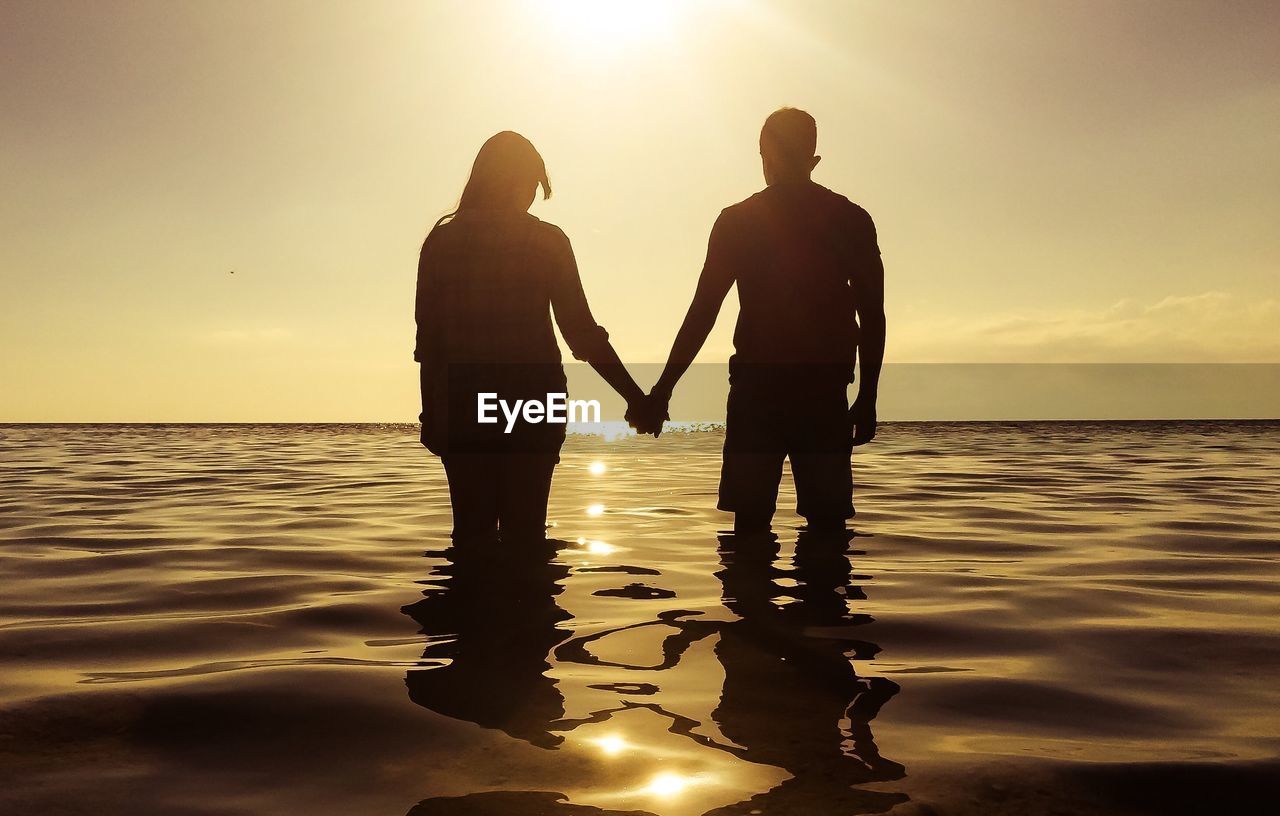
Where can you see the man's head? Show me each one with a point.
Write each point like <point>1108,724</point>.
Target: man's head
<point>788,144</point>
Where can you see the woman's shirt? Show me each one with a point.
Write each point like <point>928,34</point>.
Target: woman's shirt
<point>487,283</point>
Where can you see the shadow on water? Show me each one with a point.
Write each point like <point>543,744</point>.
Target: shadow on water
<point>791,698</point>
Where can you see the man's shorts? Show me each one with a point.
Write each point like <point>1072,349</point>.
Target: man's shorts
<point>768,422</point>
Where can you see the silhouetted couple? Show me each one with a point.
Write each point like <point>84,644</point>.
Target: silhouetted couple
<point>811,294</point>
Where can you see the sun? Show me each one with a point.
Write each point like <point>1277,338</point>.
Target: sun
<point>610,23</point>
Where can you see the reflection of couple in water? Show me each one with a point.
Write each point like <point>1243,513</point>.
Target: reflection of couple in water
<point>789,699</point>
<point>811,294</point>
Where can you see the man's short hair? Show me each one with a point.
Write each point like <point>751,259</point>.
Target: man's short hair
<point>789,135</point>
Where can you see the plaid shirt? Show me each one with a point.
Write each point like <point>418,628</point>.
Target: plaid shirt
<point>487,282</point>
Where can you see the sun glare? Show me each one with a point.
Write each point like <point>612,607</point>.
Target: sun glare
<point>608,23</point>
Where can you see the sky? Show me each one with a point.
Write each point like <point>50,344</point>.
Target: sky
<point>211,211</point>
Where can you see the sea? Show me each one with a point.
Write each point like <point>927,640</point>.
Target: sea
<point>1024,617</point>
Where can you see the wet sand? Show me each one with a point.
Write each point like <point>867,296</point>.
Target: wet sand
<point>1031,618</point>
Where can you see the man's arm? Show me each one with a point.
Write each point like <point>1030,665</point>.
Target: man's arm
<point>868,285</point>
<point>698,323</point>
<point>713,284</point>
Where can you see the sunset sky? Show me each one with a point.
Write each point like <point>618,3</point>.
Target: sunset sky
<point>1053,182</point>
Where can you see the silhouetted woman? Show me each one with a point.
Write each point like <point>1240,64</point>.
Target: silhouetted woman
<point>489,277</point>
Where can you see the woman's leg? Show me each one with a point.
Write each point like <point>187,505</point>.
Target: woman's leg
<point>523,494</point>
<point>473,492</point>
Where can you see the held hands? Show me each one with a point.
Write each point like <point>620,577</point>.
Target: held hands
<point>862,419</point>
<point>647,413</point>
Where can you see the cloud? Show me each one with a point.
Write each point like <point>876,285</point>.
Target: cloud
<point>1210,327</point>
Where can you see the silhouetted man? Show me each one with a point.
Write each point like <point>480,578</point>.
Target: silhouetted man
<point>811,293</point>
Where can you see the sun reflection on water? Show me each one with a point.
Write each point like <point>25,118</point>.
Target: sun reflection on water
<point>596,547</point>
<point>668,784</point>
<point>612,745</point>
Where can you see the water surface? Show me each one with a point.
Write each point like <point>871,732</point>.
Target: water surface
<point>1031,617</point>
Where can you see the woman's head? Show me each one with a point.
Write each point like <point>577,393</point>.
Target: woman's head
<point>506,175</point>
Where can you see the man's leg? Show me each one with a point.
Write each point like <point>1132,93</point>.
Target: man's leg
<point>820,447</point>
<point>749,489</point>
<point>758,519</point>
<point>753,456</point>
<point>824,490</point>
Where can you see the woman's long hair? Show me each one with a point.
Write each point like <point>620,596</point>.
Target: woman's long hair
<point>505,166</point>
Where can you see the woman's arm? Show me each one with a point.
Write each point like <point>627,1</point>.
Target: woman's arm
<point>422,302</point>
<point>587,340</point>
